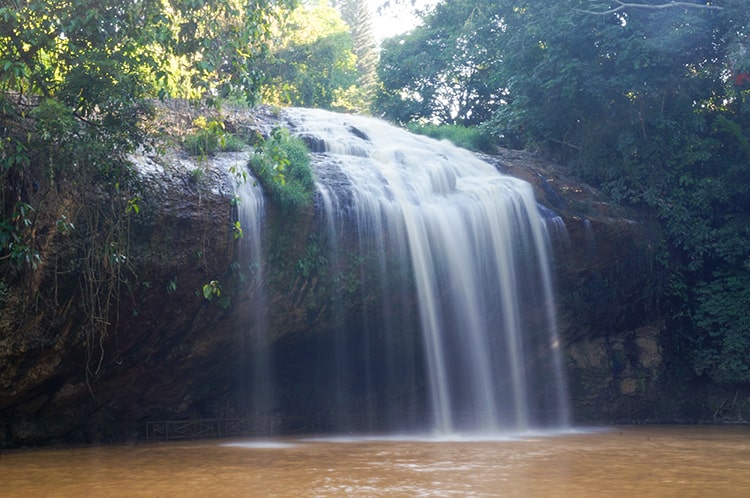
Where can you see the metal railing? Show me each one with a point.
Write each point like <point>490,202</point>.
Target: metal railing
<point>170,430</point>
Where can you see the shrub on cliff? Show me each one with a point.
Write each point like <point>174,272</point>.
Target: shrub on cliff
<point>282,165</point>
<point>210,137</point>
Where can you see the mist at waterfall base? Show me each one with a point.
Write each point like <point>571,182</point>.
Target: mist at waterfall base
<point>442,316</point>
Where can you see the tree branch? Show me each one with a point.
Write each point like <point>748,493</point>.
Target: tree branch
<point>624,5</point>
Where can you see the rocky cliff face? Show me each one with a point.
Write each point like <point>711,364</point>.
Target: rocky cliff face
<point>170,353</point>
<point>61,382</point>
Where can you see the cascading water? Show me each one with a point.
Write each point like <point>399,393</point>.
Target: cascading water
<point>471,244</point>
<point>256,384</point>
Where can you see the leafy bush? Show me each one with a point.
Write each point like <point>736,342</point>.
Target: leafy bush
<point>282,165</point>
<point>210,138</point>
<point>720,343</point>
<point>471,138</point>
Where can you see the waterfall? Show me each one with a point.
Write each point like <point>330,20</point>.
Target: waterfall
<point>256,377</point>
<point>433,221</point>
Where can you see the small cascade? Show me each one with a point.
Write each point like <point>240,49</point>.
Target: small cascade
<point>589,235</point>
<point>256,381</point>
<point>450,245</point>
<point>555,226</point>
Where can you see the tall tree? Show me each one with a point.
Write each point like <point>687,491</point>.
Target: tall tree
<point>357,14</point>
<point>441,70</point>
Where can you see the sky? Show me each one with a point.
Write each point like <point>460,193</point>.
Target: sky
<point>395,20</point>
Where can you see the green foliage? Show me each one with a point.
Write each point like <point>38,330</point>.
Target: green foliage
<point>14,237</point>
<point>197,174</point>
<point>210,138</point>
<point>211,47</point>
<point>237,231</point>
<point>472,138</point>
<point>442,70</point>
<point>722,348</point>
<point>240,177</point>
<point>75,79</point>
<point>64,225</point>
<point>282,165</point>
<point>311,62</point>
<point>314,260</point>
<point>211,290</point>
<point>133,205</point>
<point>357,14</point>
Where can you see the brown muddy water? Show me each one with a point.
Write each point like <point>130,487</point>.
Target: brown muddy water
<point>622,461</point>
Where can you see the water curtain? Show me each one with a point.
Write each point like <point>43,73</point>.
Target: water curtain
<point>472,245</point>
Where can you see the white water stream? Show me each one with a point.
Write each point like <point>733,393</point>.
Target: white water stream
<point>251,215</point>
<point>477,246</point>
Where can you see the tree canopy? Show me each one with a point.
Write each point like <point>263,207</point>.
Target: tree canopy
<point>94,63</point>
<point>441,71</point>
<point>322,55</point>
<point>311,62</point>
<point>77,79</point>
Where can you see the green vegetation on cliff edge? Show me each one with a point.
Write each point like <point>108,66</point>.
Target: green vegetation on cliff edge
<point>282,164</point>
